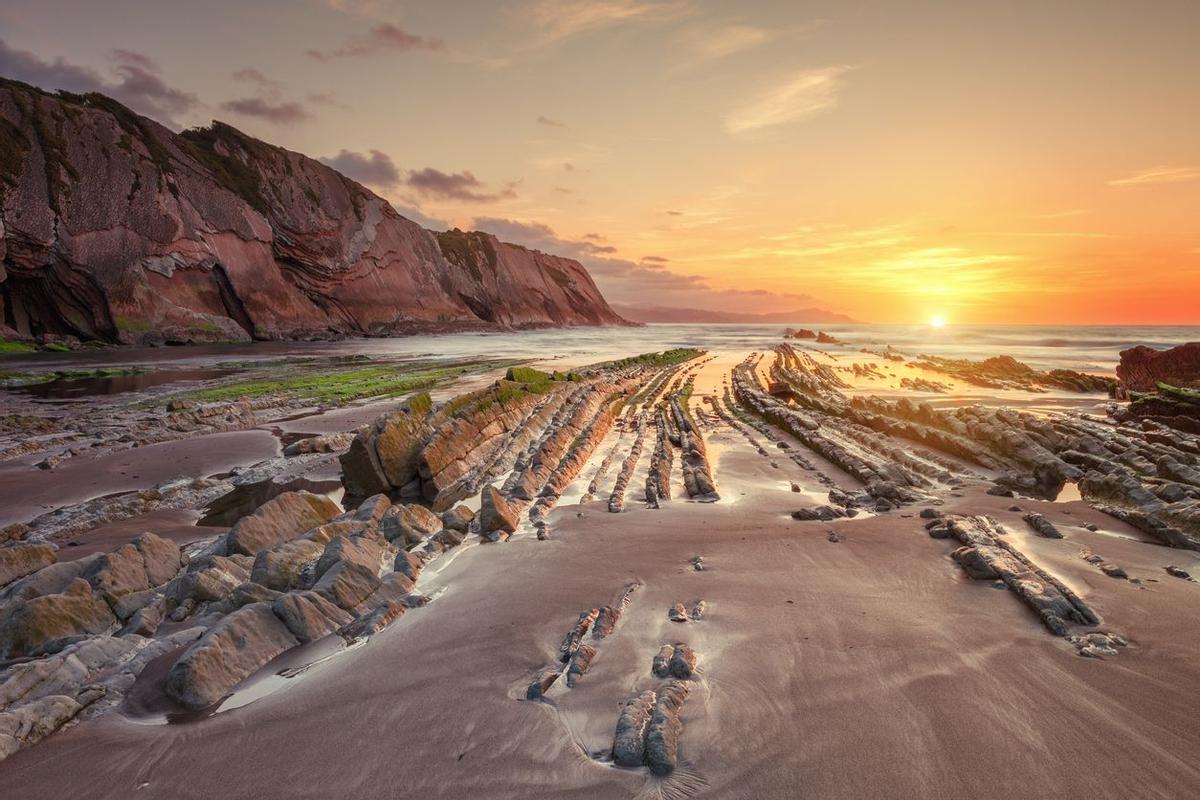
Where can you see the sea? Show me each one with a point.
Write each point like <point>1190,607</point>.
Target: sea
<point>1094,349</point>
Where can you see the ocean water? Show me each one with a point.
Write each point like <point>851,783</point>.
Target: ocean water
<point>1090,348</point>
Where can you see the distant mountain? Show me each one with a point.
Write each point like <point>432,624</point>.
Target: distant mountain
<point>686,315</point>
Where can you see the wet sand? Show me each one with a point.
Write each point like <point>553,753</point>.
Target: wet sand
<point>29,491</point>
<point>867,667</point>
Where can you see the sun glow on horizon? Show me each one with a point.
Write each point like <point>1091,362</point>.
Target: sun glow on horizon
<point>937,321</point>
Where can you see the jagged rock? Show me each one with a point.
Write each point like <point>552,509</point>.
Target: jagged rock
<point>51,579</point>
<point>629,741</point>
<point>1112,570</point>
<point>366,551</point>
<point>581,662</point>
<point>409,524</point>
<point>540,684</point>
<point>125,577</point>
<point>974,564</point>
<point>930,513</point>
<point>324,443</point>
<point>63,673</point>
<point>1178,572</point>
<point>495,513</point>
<point>606,621</point>
<point>145,620</point>
<point>227,654</point>
<point>374,620</point>
<point>23,558</point>
<point>835,537</point>
<point>245,594</point>
<point>661,665</point>
<point>697,612</point>
<point>393,587</point>
<point>41,624</point>
<point>458,518</point>
<point>347,584</point>
<point>1042,526</point>
<point>683,662</point>
<point>373,509</point>
<point>206,579</point>
<point>37,720</point>
<point>574,638</point>
<point>1142,368</point>
<point>284,566</point>
<point>664,729</point>
<point>822,513</point>
<point>308,615</point>
<point>677,613</point>
<point>409,565</point>
<point>279,520</point>
<point>244,498</point>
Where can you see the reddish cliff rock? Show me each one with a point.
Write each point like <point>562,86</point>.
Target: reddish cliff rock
<point>114,228</point>
<point>1143,368</point>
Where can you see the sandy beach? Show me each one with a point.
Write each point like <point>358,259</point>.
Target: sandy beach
<point>836,659</point>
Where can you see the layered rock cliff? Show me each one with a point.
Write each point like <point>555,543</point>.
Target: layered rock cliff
<point>115,228</point>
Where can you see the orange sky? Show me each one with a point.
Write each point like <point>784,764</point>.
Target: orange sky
<point>987,162</point>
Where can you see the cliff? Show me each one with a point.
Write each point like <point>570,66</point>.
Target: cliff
<point>114,228</point>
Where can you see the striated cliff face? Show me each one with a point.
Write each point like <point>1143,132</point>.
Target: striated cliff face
<point>114,228</point>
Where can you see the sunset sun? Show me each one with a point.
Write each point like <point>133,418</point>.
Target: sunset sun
<point>937,321</point>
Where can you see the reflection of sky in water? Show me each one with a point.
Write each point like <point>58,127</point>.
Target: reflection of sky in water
<point>1083,348</point>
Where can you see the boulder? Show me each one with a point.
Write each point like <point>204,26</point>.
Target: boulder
<point>49,580</point>
<point>366,551</point>
<point>231,651</point>
<point>1042,526</point>
<point>496,513</point>
<point>683,662</point>
<point>24,558</point>
<point>65,672</point>
<point>1143,368</point>
<point>974,564</point>
<point>347,584</point>
<point>458,519</point>
<point>284,566</point>
<point>664,728</point>
<point>245,594</point>
<point>409,524</point>
<point>161,556</point>
<point>374,620</point>
<point>279,520</point>
<point>206,579</point>
<point>308,615</point>
<point>629,742</point>
<point>31,723</point>
<point>41,623</point>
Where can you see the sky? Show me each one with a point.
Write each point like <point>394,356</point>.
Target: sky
<point>981,162</point>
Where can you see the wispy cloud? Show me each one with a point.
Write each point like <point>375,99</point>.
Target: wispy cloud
<point>384,37</point>
<point>706,42</point>
<point>550,123</point>
<point>803,94</point>
<point>256,78</point>
<point>462,186</point>
<point>555,21</point>
<point>1158,175</point>
<point>373,169</point>
<point>279,113</point>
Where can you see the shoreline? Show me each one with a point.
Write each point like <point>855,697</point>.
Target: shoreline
<point>852,629</point>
